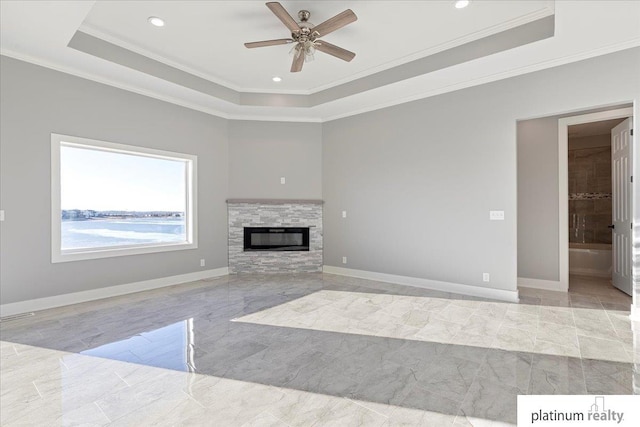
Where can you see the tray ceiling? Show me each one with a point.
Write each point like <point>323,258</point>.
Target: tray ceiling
<point>198,59</point>
<point>207,38</point>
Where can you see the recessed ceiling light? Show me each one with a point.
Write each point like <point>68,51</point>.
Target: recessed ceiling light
<point>154,20</point>
<point>461,4</point>
<point>277,79</point>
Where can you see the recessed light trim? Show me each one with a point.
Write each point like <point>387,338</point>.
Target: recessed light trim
<point>277,79</point>
<point>461,4</point>
<point>155,21</point>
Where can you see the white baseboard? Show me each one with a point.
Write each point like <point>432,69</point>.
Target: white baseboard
<point>547,285</point>
<point>111,291</point>
<point>476,291</point>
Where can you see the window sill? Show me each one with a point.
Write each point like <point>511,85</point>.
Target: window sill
<point>94,253</point>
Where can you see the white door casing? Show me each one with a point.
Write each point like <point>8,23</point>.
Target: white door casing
<point>621,212</point>
<point>563,182</point>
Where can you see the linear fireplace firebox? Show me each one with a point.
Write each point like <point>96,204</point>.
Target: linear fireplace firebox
<point>276,238</point>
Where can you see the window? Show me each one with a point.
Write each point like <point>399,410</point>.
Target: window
<point>112,199</point>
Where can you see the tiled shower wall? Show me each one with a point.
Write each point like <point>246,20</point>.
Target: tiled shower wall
<point>590,195</point>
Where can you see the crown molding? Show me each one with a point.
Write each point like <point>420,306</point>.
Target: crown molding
<point>504,26</point>
<point>492,78</point>
<point>155,95</point>
<point>315,118</point>
<point>92,31</point>
<point>110,82</point>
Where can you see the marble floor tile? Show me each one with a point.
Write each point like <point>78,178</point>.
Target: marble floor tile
<point>514,339</point>
<point>556,375</point>
<point>524,308</point>
<point>483,325</point>
<point>584,301</point>
<point>495,310</point>
<point>416,318</point>
<point>489,400</point>
<point>389,385</point>
<point>303,409</point>
<point>557,334</point>
<point>596,329</point>
<point>523,320</point>
<point>422,407</point>
<point>349,413</point>
<point>469,339</point>
<point>310,349</point>
<point>265,419</point>
<point>507,367</point>
<point>602,349</point>
<point>448,378</point>
<point>55,413</point>
<point>604,377</point>
<point>455,314</point>
<point>557,315</point>
<point>553,348</point>
<point>439,331</point>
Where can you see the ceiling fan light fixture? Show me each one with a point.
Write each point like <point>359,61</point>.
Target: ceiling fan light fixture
<point>305,36</point>
<point>309,51</point>
<point>155,21</point>
<point>461,4</point>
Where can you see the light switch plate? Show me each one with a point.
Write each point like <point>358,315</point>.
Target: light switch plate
<point>283,180</point>
<point>344,214</point>
<point>496,215</point>
<point>1,215</point>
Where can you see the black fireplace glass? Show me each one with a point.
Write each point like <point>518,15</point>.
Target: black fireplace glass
<point>276,238</point>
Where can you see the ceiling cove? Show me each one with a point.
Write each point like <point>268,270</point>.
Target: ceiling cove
<point>406,50</point>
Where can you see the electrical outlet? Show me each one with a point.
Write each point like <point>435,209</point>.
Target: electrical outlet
<point>344,214</point>
<point>1,215</point>
<point>496,215</point>
<point>344,259</point>
<point>485,277</point>
<point>283,180</point>
<point>202,263</point>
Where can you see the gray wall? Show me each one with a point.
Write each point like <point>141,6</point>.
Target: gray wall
<point>538,199</point>
<point>418,179</point>
<point>262,152</point>
<point>37,101</point>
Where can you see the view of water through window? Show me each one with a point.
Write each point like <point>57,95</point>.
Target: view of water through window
<point>111,199</point>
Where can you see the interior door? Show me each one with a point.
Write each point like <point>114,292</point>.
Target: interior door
<point>621,181</point>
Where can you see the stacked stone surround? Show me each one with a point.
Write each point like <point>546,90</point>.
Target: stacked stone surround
<point>274,213</point>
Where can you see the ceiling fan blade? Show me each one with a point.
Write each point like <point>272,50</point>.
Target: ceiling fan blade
<point>284,16</point>
<point>298,61</point>
<point>335,23</point>
<point>264,43</point>
<point>334,50</point>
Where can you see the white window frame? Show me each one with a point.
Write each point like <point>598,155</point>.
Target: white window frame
<point>59,255</point>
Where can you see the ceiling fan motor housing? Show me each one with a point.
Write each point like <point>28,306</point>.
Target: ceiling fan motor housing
<point>305,34</point>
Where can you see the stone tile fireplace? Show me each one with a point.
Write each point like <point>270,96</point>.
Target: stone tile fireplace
<point>268,220</point>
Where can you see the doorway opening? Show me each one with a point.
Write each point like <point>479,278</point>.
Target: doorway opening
<point>595,201</point>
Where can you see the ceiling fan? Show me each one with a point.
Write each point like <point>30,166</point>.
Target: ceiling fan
<point>306,36</point>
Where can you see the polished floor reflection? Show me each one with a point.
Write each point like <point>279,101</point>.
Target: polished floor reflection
<point>311,349</point>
